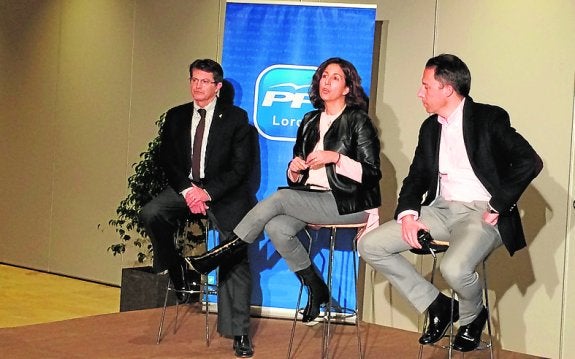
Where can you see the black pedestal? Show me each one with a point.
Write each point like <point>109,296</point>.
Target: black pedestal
<point>143,289</point>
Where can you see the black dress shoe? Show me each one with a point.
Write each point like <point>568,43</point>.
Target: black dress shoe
<point>439,319</point>
<point>243,346</point>
<point>178,276</point>
<point>469,336</point>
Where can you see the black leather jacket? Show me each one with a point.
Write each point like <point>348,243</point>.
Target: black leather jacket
<point>351,134</point>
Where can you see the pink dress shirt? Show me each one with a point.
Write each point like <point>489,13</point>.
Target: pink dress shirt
<point>457,181</point>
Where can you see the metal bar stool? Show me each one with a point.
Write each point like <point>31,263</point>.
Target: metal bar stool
<point>360,227</point>
<point>206,288</point>
<point>434,249</point>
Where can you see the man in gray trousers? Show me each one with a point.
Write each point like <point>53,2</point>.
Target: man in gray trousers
<point>469,169</point>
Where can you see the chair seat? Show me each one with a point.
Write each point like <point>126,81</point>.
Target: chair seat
<point>437,248</point>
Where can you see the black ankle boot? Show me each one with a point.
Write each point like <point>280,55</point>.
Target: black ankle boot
<point>207,262</point>
<point>317,291</point>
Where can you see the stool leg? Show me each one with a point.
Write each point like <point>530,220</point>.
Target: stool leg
<point>355,276</point>
<point>426,316</point>
<point>298,302</point>
<point>294,321</point>
<point>204,279</point>
<point>327,324</point>
<point>451,327</point>
<point>205,295</point>
<point>163,314</point>
<point>486,294</point>
<point>177,312</point>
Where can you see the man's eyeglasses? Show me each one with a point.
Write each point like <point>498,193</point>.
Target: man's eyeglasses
<point>203,82</point>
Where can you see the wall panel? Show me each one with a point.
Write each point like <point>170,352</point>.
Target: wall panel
<point>29,73</point>
<point>90,136</point>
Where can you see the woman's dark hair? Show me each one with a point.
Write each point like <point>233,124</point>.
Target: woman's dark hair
<point>449,69</point>
<point>356,96</point>
<point>210,66</point>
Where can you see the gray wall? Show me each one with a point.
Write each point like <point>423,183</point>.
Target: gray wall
<point>82,83</point>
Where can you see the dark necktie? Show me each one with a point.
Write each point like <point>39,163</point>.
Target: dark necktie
<point>197,150</point>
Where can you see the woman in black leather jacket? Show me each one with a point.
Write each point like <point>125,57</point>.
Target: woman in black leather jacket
<point>333,179</point>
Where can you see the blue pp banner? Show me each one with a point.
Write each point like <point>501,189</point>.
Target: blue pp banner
<point>281,99</point>
<point>270,53</point>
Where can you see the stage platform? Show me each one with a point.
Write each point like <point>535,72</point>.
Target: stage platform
<point>133,335</point>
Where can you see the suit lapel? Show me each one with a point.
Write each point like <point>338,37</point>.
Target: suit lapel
<point>469,131</point>
<point>214,130</point>
<point>187,133</point>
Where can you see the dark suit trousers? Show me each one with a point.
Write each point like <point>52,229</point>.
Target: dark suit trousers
<point>161,217</point>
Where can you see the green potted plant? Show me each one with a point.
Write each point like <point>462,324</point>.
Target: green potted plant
<point>141,286</point>
<point>147,181</point>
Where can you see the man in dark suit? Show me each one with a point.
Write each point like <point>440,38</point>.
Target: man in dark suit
<point>469,169</point>
<point>207,154</point>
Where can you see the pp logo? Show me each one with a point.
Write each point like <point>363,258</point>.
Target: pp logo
<point>281,100</point>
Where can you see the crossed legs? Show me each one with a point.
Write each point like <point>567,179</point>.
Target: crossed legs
<point>284,214</point>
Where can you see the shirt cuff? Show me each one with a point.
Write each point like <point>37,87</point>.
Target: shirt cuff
<point>491,209</point>
<point>407,213</point>
<point>291,175</point>
<point>349,168</point>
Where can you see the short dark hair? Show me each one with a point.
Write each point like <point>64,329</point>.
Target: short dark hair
<point>356,96</point>
<point>451,70</point>
<point>210,66</point>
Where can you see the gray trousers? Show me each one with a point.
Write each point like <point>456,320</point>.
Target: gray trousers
<point>470,241</point>
<point>284,214</point>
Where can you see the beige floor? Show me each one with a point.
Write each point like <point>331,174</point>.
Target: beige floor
<point>32,297</point>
